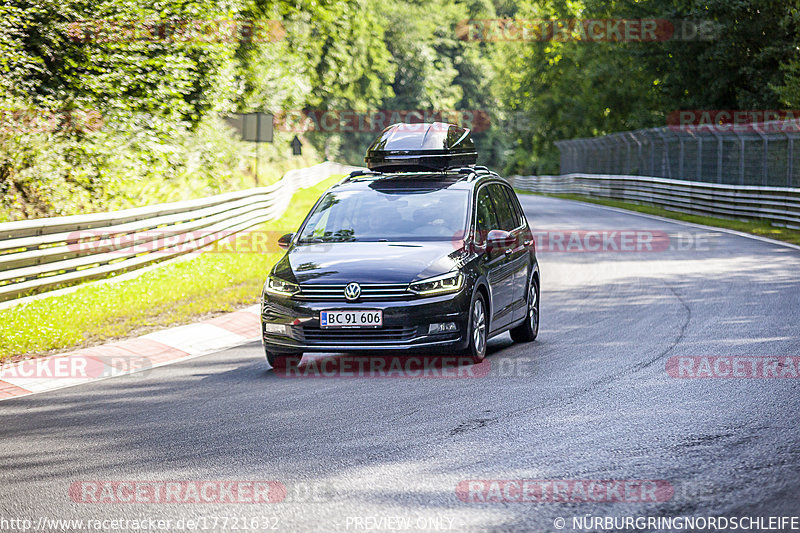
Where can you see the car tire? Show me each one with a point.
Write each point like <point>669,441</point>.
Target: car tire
<point>529,329</point>
<point>478,329</point>
<point>283,360</point>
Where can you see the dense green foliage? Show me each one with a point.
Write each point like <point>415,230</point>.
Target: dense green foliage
<point>748,61</point>
<point>161,94</point>
<point>161,97</point>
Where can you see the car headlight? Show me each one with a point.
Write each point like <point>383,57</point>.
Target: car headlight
<point>450,282</point>
<point>280,287</point>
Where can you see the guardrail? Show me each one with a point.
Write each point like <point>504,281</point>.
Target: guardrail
<point>778,205</point>
<point>40,254</point>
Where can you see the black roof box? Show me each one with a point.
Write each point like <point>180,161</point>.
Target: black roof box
<point>421,147</point>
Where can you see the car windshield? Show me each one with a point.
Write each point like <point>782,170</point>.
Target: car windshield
<point>387,215</point>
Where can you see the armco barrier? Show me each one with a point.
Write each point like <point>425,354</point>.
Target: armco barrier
<point>778,205</point>
<point>43,253</point>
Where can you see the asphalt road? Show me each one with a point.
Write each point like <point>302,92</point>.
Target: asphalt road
<point>590,399</point>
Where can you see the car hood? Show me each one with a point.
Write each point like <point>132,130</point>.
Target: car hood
<point>368,262</point>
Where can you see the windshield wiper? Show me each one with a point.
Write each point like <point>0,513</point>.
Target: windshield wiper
<point>317,240</point>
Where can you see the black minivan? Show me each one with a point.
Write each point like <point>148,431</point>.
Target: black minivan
<point>426,252</point>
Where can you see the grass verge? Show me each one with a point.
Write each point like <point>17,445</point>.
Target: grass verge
<point>755,227</point>
<point>176,293</point>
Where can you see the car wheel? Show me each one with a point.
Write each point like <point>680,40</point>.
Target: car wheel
<point>478,329</point>
<point>283,360</point>
<point>528,330</point>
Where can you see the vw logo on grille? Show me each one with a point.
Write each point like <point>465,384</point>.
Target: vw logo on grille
<point>352,291</point>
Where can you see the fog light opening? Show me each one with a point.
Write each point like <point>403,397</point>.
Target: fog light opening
<point>275,329</point>
<point>442,327</point>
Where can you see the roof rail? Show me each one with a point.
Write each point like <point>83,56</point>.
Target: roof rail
<point>357,173</point>
<point>469,173</point>
<point>476,170</point>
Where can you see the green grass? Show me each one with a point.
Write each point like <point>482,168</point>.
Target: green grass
<point>175,293</point>
<point>755,227</point>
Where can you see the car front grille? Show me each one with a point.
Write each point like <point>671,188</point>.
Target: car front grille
<point>358,336</point>
<point>377,291</point>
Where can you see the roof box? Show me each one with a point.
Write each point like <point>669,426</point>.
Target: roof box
<point>421,147</point>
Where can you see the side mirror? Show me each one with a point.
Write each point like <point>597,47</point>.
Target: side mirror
<point>285,240</point>
<point>498,238</point>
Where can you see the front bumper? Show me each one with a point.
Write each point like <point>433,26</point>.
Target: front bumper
<point>294,326</point>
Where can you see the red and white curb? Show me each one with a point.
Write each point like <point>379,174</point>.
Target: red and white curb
<point>161,348</point>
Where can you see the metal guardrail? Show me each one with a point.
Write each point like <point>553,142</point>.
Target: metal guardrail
<point>778,205</point>
<point>41,254</point>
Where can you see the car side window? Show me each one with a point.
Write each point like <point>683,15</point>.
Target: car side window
<point>506,216</point>
<point>514,202</point>
<point>485,218</point>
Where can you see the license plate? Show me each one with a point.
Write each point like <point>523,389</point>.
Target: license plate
<point>351,319</point>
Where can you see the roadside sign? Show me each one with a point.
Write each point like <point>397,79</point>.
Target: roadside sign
<point>257,127</point>
<point>253,127</point>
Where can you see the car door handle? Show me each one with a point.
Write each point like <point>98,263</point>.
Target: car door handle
<point>527,243</point>
<point>509,251</point>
